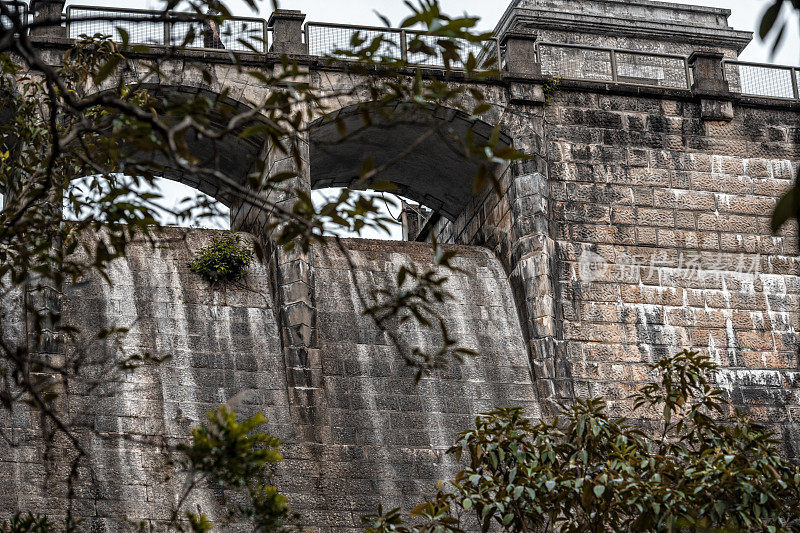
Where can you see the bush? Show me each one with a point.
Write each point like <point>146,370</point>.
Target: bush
<point>224,259</point>
<point>231,454</point>
<point>28,523</point>
<point>586,471</point>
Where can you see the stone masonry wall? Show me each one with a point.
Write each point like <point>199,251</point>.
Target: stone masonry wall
<point>661,223</point>
<point>379,437</point>
<point>223,347</point>
<point>388,436</point>
<point>637,229</point>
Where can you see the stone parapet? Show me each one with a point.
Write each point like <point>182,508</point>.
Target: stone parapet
<point>287,32</point>
<point>47,17</point>
<point>641,24</point>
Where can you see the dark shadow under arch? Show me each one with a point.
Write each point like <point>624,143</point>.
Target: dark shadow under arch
<point>435,172</point>
<point>231,155</point>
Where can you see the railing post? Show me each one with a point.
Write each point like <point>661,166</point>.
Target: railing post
<point>499,53</point>
<point>47,16</point>
<point>167,30</point>
<point>521,53</point>
<point>793,72</point>
<point>613,55</point>
<point>403,46</point>
<point>287,32</point>
<point>708,75</point>
<point>710,85</point>
<point>688,73</point>
<point>522,67</point>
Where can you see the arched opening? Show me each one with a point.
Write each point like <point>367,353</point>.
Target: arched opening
<point>232,155</point>
<point>178,204</point>
<point>420,151</point>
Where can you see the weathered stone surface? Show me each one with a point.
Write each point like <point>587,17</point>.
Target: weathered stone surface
<point>376,437</point>
<point>639,226</point>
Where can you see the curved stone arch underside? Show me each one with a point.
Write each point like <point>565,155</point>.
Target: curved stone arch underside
<point>230,155</point>
<point>419,147</point>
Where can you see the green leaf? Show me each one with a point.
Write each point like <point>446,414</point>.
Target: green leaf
<point>787,208</point>
<point>107,69</point>
<point>719,507</point>
<point>599,490</point>
<point>769,17</point>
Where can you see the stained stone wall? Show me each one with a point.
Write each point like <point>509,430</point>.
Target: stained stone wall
<point>640,226</point>
<point>222,347</point>
<point>649,232</point>
<point>378,437</point>
<point>387,437</point>
<point>661,223</point>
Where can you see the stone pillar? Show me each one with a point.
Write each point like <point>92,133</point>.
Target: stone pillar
<point>533,279</point>
<point>48,13</point>
<point>413,219</point>
<point>520,56</point>
<point>298,312</point>
<point>293,280</point>
<point>287,32</point>
<point>710,85</point>
<point>43,295</point>
<point>30,314</point>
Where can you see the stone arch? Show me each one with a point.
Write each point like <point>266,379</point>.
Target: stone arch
<point>418,148</point>
<point>231,155</point>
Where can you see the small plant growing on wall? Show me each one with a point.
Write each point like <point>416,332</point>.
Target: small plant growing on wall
<point>549,87</point>
<point>225,259</point>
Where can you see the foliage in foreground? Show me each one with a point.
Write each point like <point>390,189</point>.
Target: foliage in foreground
<point>90,133</point>
<point>225,259</point>
<point>694,470</point>
<point>27,523</point>
<point>227,454</point>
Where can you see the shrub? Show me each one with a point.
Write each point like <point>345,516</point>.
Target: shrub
<point>231,454</point>
<point>224,259</point>
<point>28,523</point>
<point>550,87</point>
<point>587,471</point>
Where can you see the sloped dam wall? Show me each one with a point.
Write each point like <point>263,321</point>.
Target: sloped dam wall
<point>374,436</point>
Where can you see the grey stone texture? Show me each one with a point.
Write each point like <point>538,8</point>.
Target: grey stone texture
<point>376,437</point>
<point>680,210</point>
<point>223,348</point>
<point>639,226</point>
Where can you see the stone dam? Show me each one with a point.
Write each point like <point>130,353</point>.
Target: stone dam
<point>639,227</point>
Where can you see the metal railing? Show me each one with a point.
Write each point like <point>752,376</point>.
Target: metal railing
<point>758,79</point>
<point>326,39</point>
<point>568,61</point>
<point>241,34</point>
<point>595,63</point>
<point>19,9</point>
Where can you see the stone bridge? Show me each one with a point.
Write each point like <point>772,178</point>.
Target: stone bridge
<point>641,226</point>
